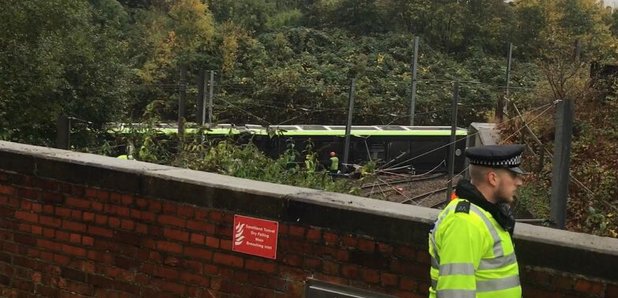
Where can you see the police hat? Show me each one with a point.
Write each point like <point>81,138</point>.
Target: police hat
<point>497,156</point>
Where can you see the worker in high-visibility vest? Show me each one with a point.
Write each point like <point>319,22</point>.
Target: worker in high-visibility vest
<point>472,252</point>
<point>334,163</point>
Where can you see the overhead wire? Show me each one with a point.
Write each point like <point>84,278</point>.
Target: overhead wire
<point>501,142</point>
<point>548,106</point>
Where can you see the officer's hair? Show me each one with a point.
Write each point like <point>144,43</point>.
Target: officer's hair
<point>478,173</point>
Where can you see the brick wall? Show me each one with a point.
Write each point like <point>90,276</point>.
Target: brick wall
<point>77,225</point>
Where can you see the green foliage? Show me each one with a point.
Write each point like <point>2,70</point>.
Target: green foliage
<point>59,57</point>
<point>246,161</point>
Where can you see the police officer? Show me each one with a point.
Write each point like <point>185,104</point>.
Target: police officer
<point>472,252</point>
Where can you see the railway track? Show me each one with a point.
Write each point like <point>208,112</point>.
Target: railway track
<point>426,190</point>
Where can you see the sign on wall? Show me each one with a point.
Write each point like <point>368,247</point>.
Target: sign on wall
<point>255,236</point>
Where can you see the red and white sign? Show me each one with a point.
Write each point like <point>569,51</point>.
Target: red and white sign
<point>255,236</point>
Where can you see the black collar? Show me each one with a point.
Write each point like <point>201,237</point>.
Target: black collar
<point>501,212</point>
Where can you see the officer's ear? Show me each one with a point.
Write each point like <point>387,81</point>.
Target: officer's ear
<point>493,178</point>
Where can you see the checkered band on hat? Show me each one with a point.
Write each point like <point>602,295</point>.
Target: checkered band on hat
<point>511,162</point>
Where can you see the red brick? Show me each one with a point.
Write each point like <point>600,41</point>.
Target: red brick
<point>62,235</point>
<point>423,257</point>
<point>48,209</point>
<point>387,279</point>
<point>260,266</point>
<point>90,192</point>
<point>7,190</point>
<point>61,259</point>
<point>63,212</point>
<point>37,230</point>
<point>49,233</point>
<point>173,287</point>
<point>26,205</point>
<point>331,268</point>
<point>100,231</point>
<point>197,238</point>
<point>198,253</point>
<point>330,238</point>
<point>147,216</point>
<point>75,238</point>
<point>366,245</point>
<point>141,203</point>
<point>211,269</point>
<point>195,279</point>
<point>229,260</point>
<point>385,248</point>
<point>88,216</point>
<point>216,216</point>
<point>117,210</point>
<point>135,214</point>
<point>350,271</point>
<point>28,193</point>
<point>50,245</point>
<point>350,241</point>
<point>141,228</point>
<point>169,246</point>
<point>293,260</point>
<point>297,231</point>
<point>98,206</point>
<point>50,221</point>
<point>224,230</point>
<point>24,228</point>
<point>115,198</point>
<point>27,216</point>
<point>100,219</point>
<point>77,203</point>
<point>76,214</point>
<point>175,234</point>
<point>313,235</point>
<point>589,287</point>
<point>87,240</point>
<point>225,244</point>
<point>312,263</point>
<point>406,252</point>
<point>127,200</point>
<point>36,207</point>
<point>154,206</point>
<point>172,220</point>
<point>102,195</point>
<point>186,211</point>
<point>114,222</point>
<point>127,224</point>
<point>370,276</point>
<point>563,282</point>
<point>74,226</point>
<point>407,284</point>
<point>201,214</point>
<point>169,208</point>
<point>342,255</point>
<point>73,250</point>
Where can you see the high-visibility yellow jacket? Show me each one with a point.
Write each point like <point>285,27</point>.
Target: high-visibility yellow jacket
<point>471,255</point>
<point>334,163</point>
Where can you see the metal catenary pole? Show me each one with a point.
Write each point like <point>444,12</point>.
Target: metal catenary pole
<point>414,81</point>
<point>348,127</point>
<point>452,147</point>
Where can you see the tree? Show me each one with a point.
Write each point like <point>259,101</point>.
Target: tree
<point>59,57</point>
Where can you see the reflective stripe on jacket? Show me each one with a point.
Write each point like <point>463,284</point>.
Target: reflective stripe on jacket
<point>471,256</point>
